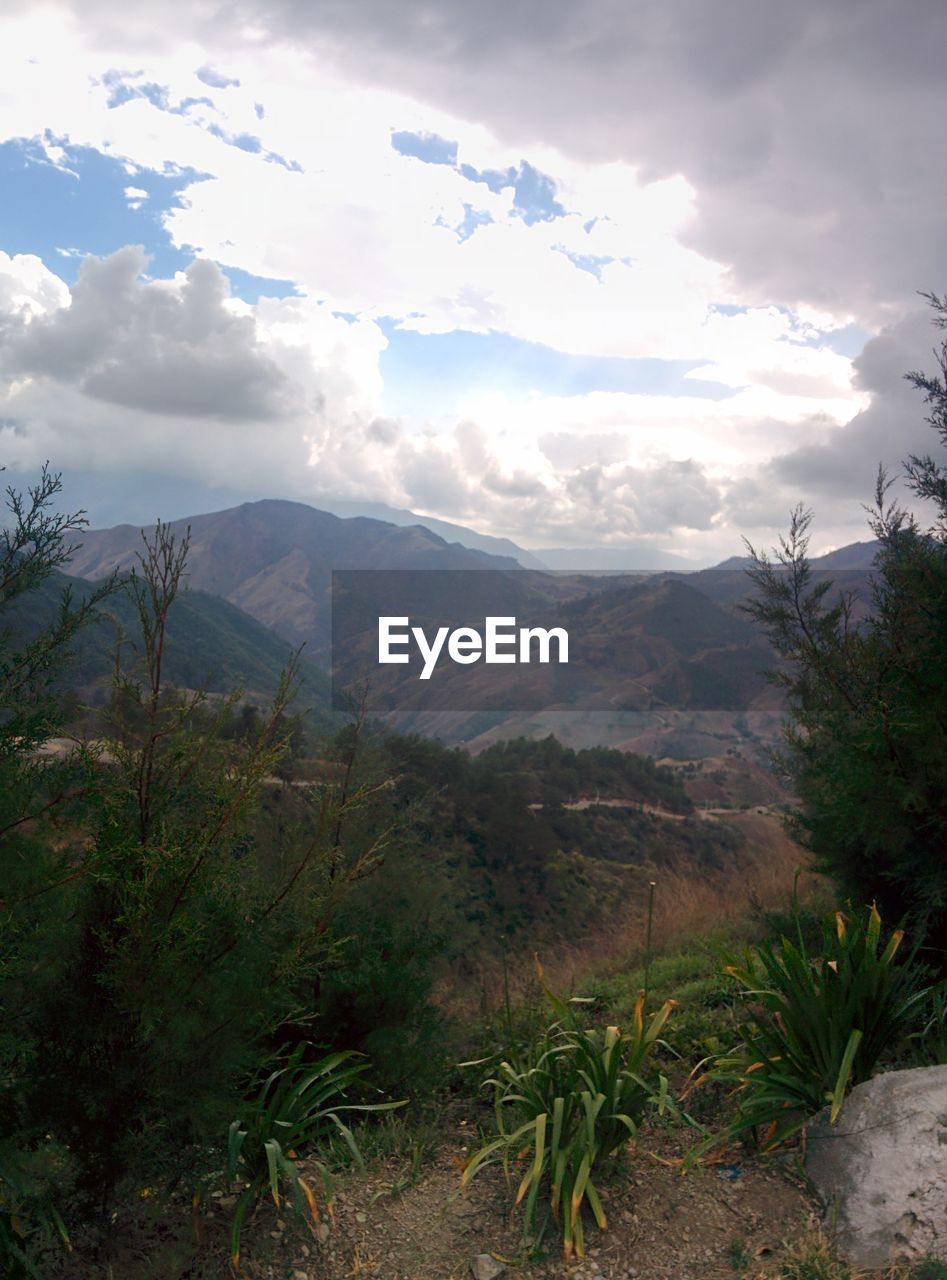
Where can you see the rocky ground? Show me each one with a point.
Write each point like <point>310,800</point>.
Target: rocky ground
<point>734,1220</point>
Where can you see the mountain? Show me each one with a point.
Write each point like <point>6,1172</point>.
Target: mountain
<point>856,555</point>
<point>636,645</point>
<point>274,559</point>
<point>212,644</point>
<point>621,559</point>
<point>443,528</point>
<point>847,568</point>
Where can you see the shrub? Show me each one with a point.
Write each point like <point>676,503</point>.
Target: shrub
<point>298,1109</point>
<point>573,1100</point>
<point>816,1024</point>
<point>28,1218</point>
<point>172,920</point>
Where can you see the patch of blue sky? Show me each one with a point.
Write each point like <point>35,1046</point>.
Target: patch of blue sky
<point>243,141</point>
<point>253,145</point>
<point>123,87</point>
<point>429,147</point>
<point>534,193</point>
<point>61,212</point>
<point>251,288</point>
<point>590,262</point>
<point>215,80</point>
<point>430,373</point>
<point>472,219</point>
<point>848,341</point>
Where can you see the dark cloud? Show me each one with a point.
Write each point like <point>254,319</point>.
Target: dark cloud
<point>161,348</point>
<point>845,463</point>
<point>810,130</point>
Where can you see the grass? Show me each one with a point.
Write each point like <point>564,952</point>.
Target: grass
<point>814,1259</point>
<point>737,1253</point>
<point>402,1142</point>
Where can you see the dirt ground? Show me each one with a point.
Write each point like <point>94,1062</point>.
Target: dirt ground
<point>725,1221</point>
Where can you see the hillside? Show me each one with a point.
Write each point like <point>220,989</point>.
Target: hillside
<point>274,559</point>
<point>653,644</point>
<point>211,643</point>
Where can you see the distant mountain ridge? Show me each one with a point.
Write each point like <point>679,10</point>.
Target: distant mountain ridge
<point>855,555</point>
<point>443,528</point>
<point>274,559</point>
<point>616,559</point>
<point>650,644</point>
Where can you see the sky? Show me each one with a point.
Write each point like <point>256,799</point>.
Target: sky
<point>639,273</point>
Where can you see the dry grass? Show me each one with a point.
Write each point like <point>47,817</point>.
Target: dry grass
<point>686,904</point>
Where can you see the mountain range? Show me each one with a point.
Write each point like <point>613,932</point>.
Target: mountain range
<point>274,559</point>
<point>648,641</point>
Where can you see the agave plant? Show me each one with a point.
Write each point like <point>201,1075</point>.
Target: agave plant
<point>816,1025</point>
<point>298,1108</point>
<point>566,1108</point>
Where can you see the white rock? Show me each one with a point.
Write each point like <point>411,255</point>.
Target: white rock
<point>881,1170</point>
<point>485,1267</point>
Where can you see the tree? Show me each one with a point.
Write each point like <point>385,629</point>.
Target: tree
<point>865,745</point>
<point>165,902</point>
<point>38,795</point>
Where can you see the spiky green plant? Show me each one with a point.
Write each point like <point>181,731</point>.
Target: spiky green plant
<point>296,1111</point>
<point>27,1217</point>
<point>565,1108</point>
<point>817,1024</point>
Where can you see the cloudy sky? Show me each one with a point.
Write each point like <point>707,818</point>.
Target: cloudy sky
<point>626,272</point>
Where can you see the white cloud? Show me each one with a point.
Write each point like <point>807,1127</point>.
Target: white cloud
<point>370,229</point>
<point>695,171</point>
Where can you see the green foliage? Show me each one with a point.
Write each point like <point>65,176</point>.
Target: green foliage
<point>213,645</point>
<point>29,1219</point>
<point>866,739</point>
<point>376,991</point>
<point>927,1043</point>
<point>165,907</point>
<point>534,874</point>
<point>297,1110</point>
<point>556,774</point>
<point>927,1269</point>
<point>567,1106</point>
<point>737,1253</point>
<point>37,796</point>
<point>816,1024</point>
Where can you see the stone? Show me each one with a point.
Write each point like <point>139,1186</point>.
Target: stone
<point>486,1267</point>
<point>881,1170</point>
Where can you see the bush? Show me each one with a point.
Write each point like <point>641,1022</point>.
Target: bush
<point>569,1105</point>
<point>297,1110</point>
<point>29,1220</point>
<point>156,936</point>
<point>816,1025</point>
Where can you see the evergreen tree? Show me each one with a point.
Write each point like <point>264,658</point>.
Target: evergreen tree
<point>866,738</point>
